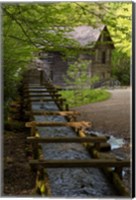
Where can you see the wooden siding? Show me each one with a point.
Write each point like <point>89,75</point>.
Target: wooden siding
<point>100,56</point>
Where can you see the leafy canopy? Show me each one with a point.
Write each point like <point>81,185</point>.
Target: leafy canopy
<point>29,27</point>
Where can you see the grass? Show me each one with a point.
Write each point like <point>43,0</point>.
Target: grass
<point>86,96</point>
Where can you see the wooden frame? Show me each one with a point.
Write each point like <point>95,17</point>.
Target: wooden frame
<point>67,140</point>
<point>79,125</point>
<point>98,163</point>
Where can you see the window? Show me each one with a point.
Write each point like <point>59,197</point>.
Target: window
<point>108,55</point>
<point>103,57</point>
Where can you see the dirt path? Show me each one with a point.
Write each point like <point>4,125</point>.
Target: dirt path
<point>111,116</point>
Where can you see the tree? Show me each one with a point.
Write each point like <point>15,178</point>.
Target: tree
<point>78,79</point>
<point>121,67</point>
<point>119,21</point>
<point>28,28</point>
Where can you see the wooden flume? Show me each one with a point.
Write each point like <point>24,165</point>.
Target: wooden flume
<point>97,161</point>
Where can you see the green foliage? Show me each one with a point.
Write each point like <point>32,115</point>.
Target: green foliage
<point>77,73</point>
<point>121,67</point>
<point>119,21</point>
<point>79,79</point>
<point>27,28</point>
<point>88,96</point>
<point>94,79</point>
<point>30,27</point>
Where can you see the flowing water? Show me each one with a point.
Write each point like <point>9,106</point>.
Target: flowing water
<point>69,182</point>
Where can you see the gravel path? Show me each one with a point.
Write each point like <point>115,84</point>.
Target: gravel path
<point>111,116</point>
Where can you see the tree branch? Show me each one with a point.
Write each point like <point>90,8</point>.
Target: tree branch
<point>20,25</point>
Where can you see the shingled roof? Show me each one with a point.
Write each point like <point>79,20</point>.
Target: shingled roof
<point>86,35</point>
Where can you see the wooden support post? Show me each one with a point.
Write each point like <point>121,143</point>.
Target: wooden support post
<point>54,94</point>
<point>41,77</point>
<point>118,170</point>
<point>33,130</point>
<point>105,147</point>
<point>61,103</point>
<point>27,104</point>
<point>121,188</point>
<point>97,146</point>
<point>67,107</point>
<point>73,118</point>
<point>35,150</point>
<point>82,135</point>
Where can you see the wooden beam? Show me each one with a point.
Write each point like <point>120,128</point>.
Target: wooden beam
<point>41,91</point>
<point>43,95</point>
<point>61,113</point>
<point>120,186</point>
<point>35,87</point>
<point>100,163</point>
<point>82,124</point>
<point>45,100</point>
<point>99,146</point>
<point>37,90</point>
<point>41,87</point>
<point>52,89</point>
<point>67,140</point>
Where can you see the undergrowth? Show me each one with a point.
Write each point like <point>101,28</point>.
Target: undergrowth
<point>85,96</point>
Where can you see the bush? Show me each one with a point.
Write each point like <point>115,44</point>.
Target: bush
<point>121,67</point>
<point>88,96</point>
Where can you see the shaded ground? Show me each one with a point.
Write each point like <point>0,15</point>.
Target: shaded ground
<point>18,179</point>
